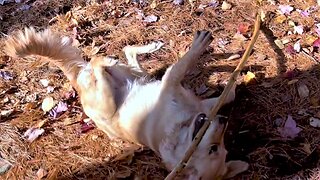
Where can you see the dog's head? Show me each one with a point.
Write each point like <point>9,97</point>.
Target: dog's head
<point>209,159</point>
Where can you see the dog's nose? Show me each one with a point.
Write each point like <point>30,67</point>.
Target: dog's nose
<point>223,119</point>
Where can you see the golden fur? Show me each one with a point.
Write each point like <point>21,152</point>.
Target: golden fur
<point>125,103</point>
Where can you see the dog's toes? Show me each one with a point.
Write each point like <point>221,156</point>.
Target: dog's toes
<point>202,40</point>
<point>158,45</point>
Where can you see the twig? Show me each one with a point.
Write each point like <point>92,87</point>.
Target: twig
<point>179,167</point>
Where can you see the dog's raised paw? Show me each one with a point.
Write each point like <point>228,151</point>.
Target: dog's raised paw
<point>154,46</point>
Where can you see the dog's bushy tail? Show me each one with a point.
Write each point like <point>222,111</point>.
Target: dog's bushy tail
<point>58,50</point>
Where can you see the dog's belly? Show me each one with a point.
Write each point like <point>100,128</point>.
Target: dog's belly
<point>136,108</point>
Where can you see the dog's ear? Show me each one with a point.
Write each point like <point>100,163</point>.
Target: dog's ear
<point>234,168</point>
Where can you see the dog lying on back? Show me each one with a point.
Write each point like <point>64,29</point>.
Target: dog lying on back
<point>124,103</point>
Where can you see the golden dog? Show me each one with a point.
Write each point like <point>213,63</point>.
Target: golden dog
<point>123,102</point>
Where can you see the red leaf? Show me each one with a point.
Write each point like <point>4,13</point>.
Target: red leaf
<point>243,28</point>
<point>290,50</point>
<point>316,43</point>
<point>86,126</point>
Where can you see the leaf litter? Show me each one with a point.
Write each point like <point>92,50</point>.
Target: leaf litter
<point>134,36</point>
<point>290,128</point>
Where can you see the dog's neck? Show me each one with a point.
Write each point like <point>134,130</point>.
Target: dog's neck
<point>175,143</point>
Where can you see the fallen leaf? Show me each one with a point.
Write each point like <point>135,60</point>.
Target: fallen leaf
<point>44,82</point>
<point>41,123</point>
<point>279,43</point>
<point>249,77</point>
<point>178,2</point>
<point>50,89</point>
<point>154,4</point>
<point>33,133</point>
<point>47,104</point>
<point>314,101</point>
<point>41,173</point>
<point>291,23</point>
<point>314,122</point>
<point>290,50</point>
<point>310,39</point>
<point>289,74</point>
<point>234,56</point>
<point>285,40</point>
<point>226,6</point>
<point>94,137</point>
<point>280,19</point>
<point>293,81</point>
<point>58,109</point>
<point>290,129</point>
<point>243,28</point>
<point>285,9</point>
<point>151,19</point>
<point>6,75</point>
<point>316,43</point>
<point>24,7</point>
<point>306,147</point>
<point>267,84</point>
<point>298,29</point>
<point>30,105</point>
<point>4,166</point>
<point>303,90</point>
<point>213,3</point>
<point>297,46</point>
<point>2,2</point>
<point>6,113</point>
<point>86,125</point>
<point>304,13</point>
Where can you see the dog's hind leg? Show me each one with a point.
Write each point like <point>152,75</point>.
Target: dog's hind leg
<point>131,53</point>
<point>176,72</point>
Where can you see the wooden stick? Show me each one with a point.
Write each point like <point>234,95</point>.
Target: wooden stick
<point>179,167</point>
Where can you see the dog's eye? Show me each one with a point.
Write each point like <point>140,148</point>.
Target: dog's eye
<point>213,148</point>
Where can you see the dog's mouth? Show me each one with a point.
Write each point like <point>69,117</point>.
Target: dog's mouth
<point>221,126</point>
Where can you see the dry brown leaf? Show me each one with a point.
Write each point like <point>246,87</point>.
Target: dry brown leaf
<point>306,148</point>
<point>314,102</point>
<point>279,43</point>
<point>280,19</point>
<point>303,90</point>
<point>41,173</point>
<point>41,123</point>
<point>293,81</point>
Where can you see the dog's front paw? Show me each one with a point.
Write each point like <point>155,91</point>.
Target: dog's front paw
<point>201,41</point>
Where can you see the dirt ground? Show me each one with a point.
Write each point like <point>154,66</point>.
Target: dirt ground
<point>67,150</point>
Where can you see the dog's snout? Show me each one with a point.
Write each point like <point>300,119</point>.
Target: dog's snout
<point>223,119</point>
